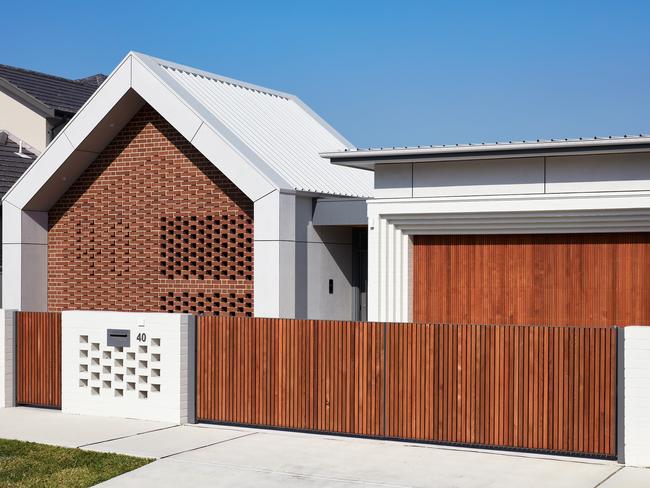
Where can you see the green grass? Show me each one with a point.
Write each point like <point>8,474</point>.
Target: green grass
<point>27,464</point>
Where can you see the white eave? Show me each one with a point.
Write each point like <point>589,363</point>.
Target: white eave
<point>368,158</point>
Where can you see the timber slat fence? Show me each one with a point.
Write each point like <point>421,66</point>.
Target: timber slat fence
<point>38,359</point>
<point>535,388</point>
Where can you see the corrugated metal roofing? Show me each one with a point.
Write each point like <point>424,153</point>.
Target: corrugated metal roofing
<point>278,128</point>
<point>491,145</point>
<point>54,91</point>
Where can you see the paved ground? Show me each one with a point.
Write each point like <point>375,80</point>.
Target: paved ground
<point>205,455</point>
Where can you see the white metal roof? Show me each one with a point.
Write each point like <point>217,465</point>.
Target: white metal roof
<point>367,158</point>
<point>276,130</point>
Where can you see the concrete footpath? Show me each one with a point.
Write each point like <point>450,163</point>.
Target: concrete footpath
<point>207,455</point>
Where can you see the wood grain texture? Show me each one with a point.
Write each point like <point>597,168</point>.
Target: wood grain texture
<point>38,359</point>
<point>559,279</point>
<point>296,374</point>
<point>540,388</point>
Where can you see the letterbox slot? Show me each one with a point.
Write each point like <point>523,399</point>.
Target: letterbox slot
<point>118,337</point>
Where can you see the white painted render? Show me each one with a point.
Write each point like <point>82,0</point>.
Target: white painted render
<point>563,194</point>
<point>152,379</point>
<point>297,259</point>
<point>23,122</point>
<point>341,211</point>
<point>636,396</point>
<point>7,358</point>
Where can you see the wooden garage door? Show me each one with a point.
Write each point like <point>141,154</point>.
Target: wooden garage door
<point>556,279</point>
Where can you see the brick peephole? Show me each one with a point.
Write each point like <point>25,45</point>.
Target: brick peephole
<point>151,226</point>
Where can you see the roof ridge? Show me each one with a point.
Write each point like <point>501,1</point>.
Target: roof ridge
<point>47,75</point>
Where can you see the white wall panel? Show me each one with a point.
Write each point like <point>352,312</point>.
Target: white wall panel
<point>637,396</point>
<point>507,176</point>
<point>393,181</point>
<point>601,173</point>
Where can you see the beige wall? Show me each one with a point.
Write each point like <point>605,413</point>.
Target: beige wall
<point>23,122</point>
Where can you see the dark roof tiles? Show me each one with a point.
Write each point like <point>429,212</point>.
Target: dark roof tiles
<point>12,166</point>
<point>54,91</point>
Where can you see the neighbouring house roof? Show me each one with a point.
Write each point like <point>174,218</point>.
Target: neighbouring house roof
<point>261,139</point>
<point>13,162</point>
<point>52,92</point>
<point>368,158</point>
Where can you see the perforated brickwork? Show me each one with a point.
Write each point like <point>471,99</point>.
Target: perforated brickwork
<point>151,226</point>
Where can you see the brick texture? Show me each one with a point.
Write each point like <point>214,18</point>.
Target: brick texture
<point>151,226</point>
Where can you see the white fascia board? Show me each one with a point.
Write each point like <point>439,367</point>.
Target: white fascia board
<point>96,108</point>
<point>171,100</point>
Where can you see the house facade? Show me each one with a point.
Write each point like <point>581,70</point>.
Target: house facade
<point>177,190</point>
<point>530,233</point>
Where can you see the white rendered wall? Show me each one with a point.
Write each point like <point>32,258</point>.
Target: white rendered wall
<point>294,261</point>
<point>153,379</point>
<point>7,358</point>
<point>637,396</point>
<point>23,122</point>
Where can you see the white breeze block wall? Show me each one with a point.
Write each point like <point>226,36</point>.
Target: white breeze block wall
<point>7,361</point>
<point>152,379</point>
<point>637,395</point>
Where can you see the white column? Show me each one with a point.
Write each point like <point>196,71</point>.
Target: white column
<point>373,269</point>
<point>7,358</point>
<point>389,272</point>
<point>636,394</point>
<point>274,273</point>
<point>24,258</point>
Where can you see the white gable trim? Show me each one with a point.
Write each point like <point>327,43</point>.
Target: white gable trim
<point>238,155</point>
<point>107,111</point>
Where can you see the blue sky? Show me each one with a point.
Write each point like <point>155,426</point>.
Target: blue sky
<point>383,73</point>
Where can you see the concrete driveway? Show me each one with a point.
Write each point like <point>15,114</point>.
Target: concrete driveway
<point>206,455</point>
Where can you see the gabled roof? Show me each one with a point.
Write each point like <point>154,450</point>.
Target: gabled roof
<point>261,139</point>
<point>277,127</point>
<point>13,162</point>
<point>53,92</point>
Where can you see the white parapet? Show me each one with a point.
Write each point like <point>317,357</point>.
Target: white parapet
<point>7,358</point>
<point>147,373</point>
<point>636,361</point>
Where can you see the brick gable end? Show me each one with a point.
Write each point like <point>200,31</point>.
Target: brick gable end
<point>151,226</point>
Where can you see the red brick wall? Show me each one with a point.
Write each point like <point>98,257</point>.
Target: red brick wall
<point>151,226</point>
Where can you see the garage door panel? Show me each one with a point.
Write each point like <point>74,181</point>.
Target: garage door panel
<point>563,279</point>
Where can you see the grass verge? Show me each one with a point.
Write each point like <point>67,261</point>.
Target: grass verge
<point>27,464</point>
